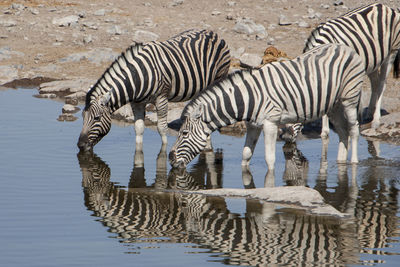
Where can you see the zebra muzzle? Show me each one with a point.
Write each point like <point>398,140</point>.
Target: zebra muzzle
<point>174,163</point>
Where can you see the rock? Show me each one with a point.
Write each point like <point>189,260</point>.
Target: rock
<point>176,3</point>
<point>142,36</point>
<point>250,59</point>
<point>338,3</point>
<point>100,12</point>
<point>90,25</point>
<point>8,23</point>
<point>303,24</point>
<point>325,6</point>
<point>8,74</point>
<point>114,30</point>
<point>16,6</point>
<point>248,26</point>
<point>231,4</point>
<point>87,39</point>
<point>34,11</point>
<point>283,20</point>
<point>65,86</point>
<point>294,196</point>
<point>68,108</point>
<point>49,96</point>
<point>215,13</point>
<point>67,117</point>
<point>66,21</point>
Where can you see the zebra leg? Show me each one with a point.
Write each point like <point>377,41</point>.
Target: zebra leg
<point>253,133</point>
<point>354,132</point>
<point>138,112</point>
<point>270,133</point>
<point>161,104</point>
<point>325,127</point>
<point>338,119</point>
<point>378,86</point>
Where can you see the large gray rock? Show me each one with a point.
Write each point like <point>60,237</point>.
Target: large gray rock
<point>248,26</point>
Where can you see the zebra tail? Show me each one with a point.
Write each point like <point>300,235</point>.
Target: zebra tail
<point>396,67</point>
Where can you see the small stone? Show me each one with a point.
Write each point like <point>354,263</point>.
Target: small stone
<point>67,117</point>
<point>231,4</point>
<point>215,13</point>
<point>87,39</point>
<point>176,3</point>
<point>100,12</point>
<point>147,4</point>
<point>34,11</point>
<point>17,7</point>
<point>325,6</point>
<point>115,30</point>
<point>90,25</point>
<point>338,3</point>
<point>8,23</point>
<point>229,17</point>
<point>284,21</point>
<point>66,21</point>
<point>303,24</point>
<point>68,108</point>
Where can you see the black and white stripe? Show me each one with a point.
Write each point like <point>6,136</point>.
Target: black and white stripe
<point>326,80</point>
<point>374,32</point>
<point>174,70</point>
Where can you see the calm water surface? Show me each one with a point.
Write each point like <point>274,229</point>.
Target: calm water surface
<point>61,208</point>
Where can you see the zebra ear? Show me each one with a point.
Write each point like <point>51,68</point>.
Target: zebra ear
<point>105,99</point>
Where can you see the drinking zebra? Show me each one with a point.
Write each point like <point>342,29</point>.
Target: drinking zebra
<point>374,32</point>
<point>325,80</point>
<point>174,70</point>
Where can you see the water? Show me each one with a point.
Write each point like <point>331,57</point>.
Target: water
<point>61,208</point>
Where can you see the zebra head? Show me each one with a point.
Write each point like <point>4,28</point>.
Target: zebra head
<point>192,138</point>
<point>96,122</point>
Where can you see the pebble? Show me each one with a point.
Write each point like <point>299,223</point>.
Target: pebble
<point>115,30</point>
<point>303,24</point>
<point>338,3</point>
<point>66,21</point>
<point>100,12</point>
<point>8,23</point>
<point>231,4</point>
<point>215,13</point>
<point>34,11</point>
<point>176,3</point>
<point>68,108</point>
<point>283,20</point>
<point>87,39</point>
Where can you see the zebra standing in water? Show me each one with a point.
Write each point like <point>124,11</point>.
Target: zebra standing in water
<point>374,32</point>
<point>174,70</point>
<point>326,80</point>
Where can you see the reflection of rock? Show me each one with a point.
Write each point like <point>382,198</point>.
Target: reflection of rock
<point>299,196</point>
<point>389,130</point>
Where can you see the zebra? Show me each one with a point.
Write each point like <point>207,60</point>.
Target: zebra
<point>174,70</point>
<point>325,80</point>
<point>374,32</point>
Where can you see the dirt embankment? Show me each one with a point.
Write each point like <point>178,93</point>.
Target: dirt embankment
<point>75,40</point>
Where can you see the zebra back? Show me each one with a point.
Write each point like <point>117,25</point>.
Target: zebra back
<point>298,90</point>
<point>180,67</point>
<point>372,30</point>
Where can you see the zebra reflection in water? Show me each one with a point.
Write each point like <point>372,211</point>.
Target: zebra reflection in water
<point>263,234</point>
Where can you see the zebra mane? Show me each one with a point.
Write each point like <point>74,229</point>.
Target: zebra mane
<point>97,90</point>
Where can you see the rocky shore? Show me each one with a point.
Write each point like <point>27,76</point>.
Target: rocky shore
<point>63,47</point>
